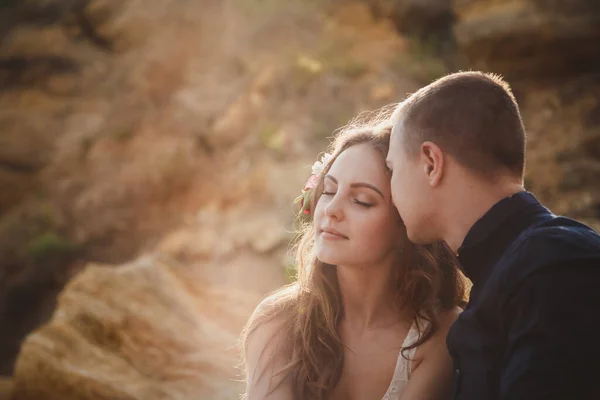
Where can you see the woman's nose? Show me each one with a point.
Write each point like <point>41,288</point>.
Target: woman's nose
<point>333,209</point>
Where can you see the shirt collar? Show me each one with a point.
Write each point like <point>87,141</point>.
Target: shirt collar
<point>499,212</point>
<point>489,224</point>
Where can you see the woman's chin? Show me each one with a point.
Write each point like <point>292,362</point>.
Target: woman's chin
<point>328,257</point>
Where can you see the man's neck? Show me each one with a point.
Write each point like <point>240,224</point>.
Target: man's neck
<point>473,203</point>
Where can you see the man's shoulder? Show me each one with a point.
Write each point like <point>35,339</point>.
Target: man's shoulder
<point>555,242</point>
<point>560,237</point>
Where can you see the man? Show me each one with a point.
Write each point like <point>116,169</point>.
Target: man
<point>531,329</point>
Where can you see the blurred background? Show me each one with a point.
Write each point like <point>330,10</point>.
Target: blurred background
<point>150,152</point>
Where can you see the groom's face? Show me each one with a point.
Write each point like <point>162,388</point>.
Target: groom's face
<point>410,191</point>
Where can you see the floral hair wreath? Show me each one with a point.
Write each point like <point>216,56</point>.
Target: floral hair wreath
<point>317,170</point>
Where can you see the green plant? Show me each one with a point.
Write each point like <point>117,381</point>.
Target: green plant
<point>123,133</point>
<point>50,245</point>
<point>330,117</point>
<point>271,137</point>
<point>7,3</point>
<point>290,272</point>
<point>321,130</point>
<point>336,57</point>
<point>304,71</point>
<point>423,61</point>
<point>349,67</point>
<point>87,143</point>
<point>528,182</point>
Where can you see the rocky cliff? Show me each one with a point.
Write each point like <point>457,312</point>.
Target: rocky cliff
<point>175,143</point>
<point>550,51</point>
<point>150,155</point>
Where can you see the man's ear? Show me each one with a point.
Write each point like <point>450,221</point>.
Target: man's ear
<point>432,160</point>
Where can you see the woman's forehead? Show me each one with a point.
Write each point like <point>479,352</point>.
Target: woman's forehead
<point>360,163</point>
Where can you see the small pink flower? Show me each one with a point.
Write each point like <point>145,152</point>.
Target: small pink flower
<point>311,182</point>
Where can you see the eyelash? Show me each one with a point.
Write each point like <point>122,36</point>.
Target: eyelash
<point>360,203</point>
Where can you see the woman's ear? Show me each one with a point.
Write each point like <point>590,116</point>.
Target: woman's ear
<point>432,160</point>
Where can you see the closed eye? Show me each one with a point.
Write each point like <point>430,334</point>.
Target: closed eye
<point>361,203</point>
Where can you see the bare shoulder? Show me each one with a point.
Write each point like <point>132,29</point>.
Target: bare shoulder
<point>265,335</point>
<point>432,369</point>
<point>446,318</point>
<point>265,343</point>
<point>266,352</point>
<point>275,302</point>
<point>265,327</point>
<point>436,344</point>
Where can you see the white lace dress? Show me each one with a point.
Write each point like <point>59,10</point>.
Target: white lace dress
<point>403,367</point>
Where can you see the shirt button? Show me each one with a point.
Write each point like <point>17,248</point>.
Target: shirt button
<point>456,381</point>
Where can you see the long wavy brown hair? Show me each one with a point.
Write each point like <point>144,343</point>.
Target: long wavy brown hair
<point>427,280</point>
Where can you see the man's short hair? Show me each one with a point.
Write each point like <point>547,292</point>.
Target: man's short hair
<point>471,115</point>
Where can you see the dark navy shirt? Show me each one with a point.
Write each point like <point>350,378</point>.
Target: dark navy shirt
<point>531,329</point>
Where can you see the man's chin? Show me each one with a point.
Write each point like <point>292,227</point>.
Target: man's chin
<point>415,238</point>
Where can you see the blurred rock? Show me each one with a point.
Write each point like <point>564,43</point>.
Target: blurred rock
<point>421,17</point>
<point>14,187</point>
<point>548,51</point>
<point>166,325</point>
<point>562,167</point>
<point>118,25</point>
<point>98,21</point>
<point>591,145</point>
<point>580,173</point>
<point>5,388</point>
<point>529,38</point>
<point>424,17</point>
<point>383,92</point>
<point>157,112</point>
<point>153,329</point>
<point>381,8</point>
<point>24,147</point>
<point>26,301</point>
<point>107,24</point>
<point>587,206</point>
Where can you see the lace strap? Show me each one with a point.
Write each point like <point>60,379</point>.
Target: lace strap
<point>412,337</point>
<point>404,364</point>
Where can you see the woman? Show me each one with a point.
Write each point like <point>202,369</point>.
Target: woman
<point>368,316</point>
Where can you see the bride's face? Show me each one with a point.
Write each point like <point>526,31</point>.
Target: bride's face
<point>355,221</point>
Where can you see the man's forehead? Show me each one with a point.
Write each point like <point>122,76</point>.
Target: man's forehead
<point>397,111</point>
<point>397,132</point>
<point>396,142</point>
<point>396,127</point>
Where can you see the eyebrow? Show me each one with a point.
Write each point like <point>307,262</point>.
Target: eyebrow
<point>358,184</point>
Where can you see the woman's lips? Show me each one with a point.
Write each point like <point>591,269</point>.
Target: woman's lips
<point>330,233</point>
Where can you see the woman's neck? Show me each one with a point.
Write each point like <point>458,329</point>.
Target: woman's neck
<point>368,296</point>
